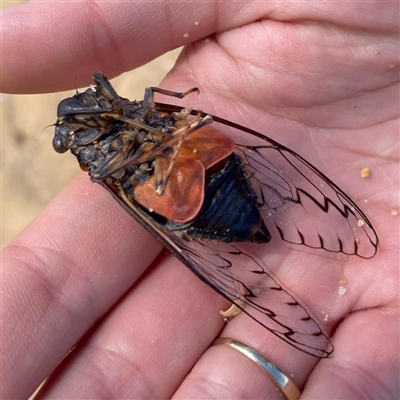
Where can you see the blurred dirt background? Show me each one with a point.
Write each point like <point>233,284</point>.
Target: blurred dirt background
<point>31,171</point>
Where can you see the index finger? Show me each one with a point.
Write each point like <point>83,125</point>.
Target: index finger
<point>55,46</point>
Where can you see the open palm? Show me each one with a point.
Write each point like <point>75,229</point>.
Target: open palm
<point>322,80</point>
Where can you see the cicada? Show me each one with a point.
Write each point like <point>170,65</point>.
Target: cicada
<point>214,202</point>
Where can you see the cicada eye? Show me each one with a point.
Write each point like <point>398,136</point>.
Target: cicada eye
<point>59,145</point>
<point>62,139</point>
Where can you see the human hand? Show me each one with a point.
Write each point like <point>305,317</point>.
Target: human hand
<point>284,71</point>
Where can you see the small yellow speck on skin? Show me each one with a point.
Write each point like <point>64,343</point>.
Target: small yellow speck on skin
<point>365,172</point>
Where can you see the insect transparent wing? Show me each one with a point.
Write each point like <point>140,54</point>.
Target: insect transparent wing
<point>238,272</point>
<point>303,206</point>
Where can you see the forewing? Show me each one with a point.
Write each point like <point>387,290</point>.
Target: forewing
<point>303,206</point>
<point>238,273</point>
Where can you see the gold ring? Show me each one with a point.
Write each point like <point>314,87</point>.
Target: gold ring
<point>285,384</point>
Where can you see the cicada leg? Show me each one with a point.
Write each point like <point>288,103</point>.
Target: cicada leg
<point>231,312</point>
<point>148,100</point>
<point>104,87</point>
<point>234,309</point>
<point>133,123</point>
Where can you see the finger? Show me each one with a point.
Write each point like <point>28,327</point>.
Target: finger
<point>55,46</point>
<point>148,344</point>
<point>61,275</point>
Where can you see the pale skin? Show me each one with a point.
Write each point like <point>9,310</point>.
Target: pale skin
<point>320,77</point>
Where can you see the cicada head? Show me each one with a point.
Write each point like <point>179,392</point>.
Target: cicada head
<point>79,113</point>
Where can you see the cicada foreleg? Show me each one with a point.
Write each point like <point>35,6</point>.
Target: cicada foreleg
<point>104,87</point>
